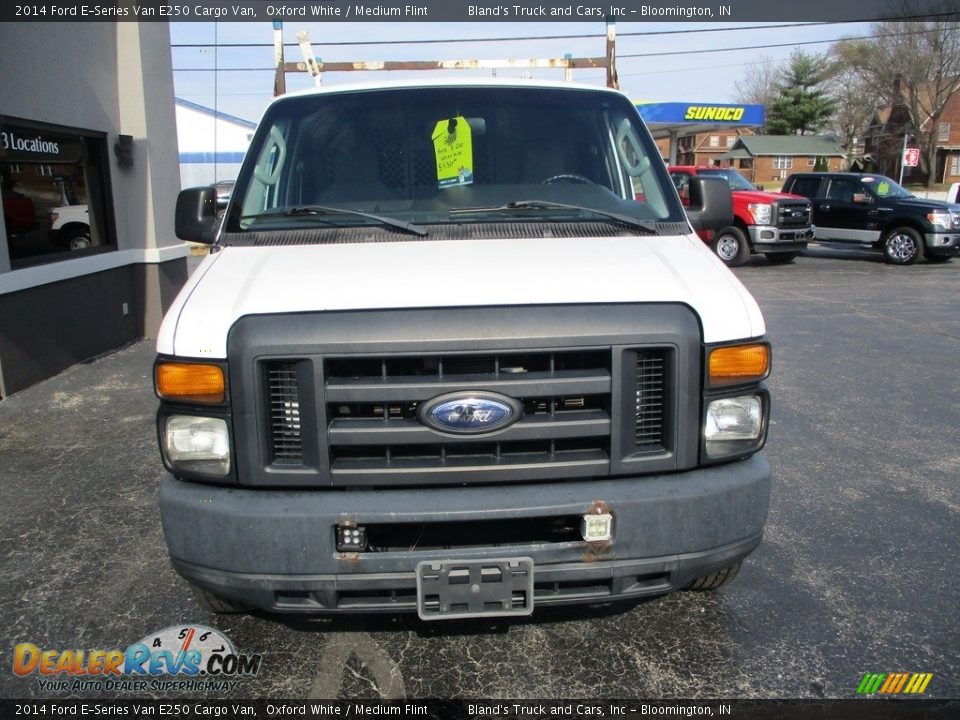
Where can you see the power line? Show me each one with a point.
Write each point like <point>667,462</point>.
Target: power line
<point>621,56</point>
<point>583,36</point>
<point>768,61</point>
<point>665,53</point>
<point>248,69</point>
<point>435,41</point>
<point>773,45</point>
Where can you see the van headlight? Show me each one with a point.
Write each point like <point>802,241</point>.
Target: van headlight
<point>940,219</point>
<point>733,426</point>
<point>197,444</point>
<point>761,213</point>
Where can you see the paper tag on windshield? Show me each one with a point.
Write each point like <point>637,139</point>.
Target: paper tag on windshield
<point>453,147</point>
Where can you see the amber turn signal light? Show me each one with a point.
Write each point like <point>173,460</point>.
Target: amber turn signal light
<point>191,382</point>
<point>739,363</point>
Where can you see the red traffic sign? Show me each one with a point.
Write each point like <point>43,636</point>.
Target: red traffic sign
<point>911,157</point>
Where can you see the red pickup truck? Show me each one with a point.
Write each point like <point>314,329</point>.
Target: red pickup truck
<point>776,224</point>
<point>18,214</point>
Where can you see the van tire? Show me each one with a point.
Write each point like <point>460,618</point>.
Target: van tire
<point>715,580</point>
<point>76,238</point>
<point>902,246</point>
<point>730,245</point>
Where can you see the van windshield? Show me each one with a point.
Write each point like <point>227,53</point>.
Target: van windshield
<point>413,157</point>
<point>884,187</point>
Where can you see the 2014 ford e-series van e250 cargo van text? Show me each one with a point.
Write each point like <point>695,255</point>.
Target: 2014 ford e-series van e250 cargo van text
<point>457,350</point>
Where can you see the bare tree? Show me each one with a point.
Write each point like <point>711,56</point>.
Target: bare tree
<point>854,106</point>
<point>922,61</point>
<point>758,83</point>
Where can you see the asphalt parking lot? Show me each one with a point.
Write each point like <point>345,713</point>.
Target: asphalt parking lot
<point>857,573</point>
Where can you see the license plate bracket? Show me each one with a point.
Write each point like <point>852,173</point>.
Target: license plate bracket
<point>451,589</point>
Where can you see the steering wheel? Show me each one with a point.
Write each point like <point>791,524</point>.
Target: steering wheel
<point>568,178</point>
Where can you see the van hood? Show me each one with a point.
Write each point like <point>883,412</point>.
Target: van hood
<point>240,281</point>
<point>921,203</point>
<point>765,196</point>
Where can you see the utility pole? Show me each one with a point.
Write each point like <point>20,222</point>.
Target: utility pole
<point>903,151</point>
<point>612,80</point>
<point>280,78</point>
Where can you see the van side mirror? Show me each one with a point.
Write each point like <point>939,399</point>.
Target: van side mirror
<point>711,203</point>
<point>196,214</point>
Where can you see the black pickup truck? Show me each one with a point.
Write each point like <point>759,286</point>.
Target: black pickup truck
<point>874,211</point>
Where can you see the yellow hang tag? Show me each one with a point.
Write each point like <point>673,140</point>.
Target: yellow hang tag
<point>453,147</point>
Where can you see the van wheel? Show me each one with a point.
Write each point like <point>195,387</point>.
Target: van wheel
<point>782,258</point>
<point>716,580</point>
<point>902,246</point>
<point>730,245</point>
<point>78,239</point>
<point>216,604</point>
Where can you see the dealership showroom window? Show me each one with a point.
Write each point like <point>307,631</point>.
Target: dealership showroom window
<point>55,188</point>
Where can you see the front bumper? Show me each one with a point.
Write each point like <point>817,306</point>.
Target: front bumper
<point>275,549</point>
<point>768,238</point>
<point>942,243</point>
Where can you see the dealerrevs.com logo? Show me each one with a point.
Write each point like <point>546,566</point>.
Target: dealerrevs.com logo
<point>188,658</point>
<point>899,683</point>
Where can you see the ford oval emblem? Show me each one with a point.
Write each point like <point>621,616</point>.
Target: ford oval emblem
<point>469,413</point>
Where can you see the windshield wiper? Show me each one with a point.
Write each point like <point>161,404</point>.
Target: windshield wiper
<point>647,225</point>
<point>307,211</point>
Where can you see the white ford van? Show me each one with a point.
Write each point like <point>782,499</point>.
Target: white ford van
<point>457,350</point>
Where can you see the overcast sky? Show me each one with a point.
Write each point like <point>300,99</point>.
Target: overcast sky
<point>690,75</point>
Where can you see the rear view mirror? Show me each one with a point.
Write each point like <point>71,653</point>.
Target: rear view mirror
<point>196,214</point>
<point>711,203</point>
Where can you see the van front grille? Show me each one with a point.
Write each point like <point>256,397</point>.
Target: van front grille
<point>338,399</point>
<point>650,405</point>
<point>792,213</point>
<point>375,438</point>
<point>283,403</point>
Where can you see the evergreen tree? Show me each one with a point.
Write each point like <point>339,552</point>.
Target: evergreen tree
<point>802,105</point>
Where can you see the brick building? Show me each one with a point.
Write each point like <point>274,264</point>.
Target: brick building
<point>703,148</point>
<point>884,141</point>
<point>765,158</point>
<point>760,158</point>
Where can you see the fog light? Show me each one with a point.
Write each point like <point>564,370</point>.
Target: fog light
<point>351,539</point>
<point>199,444</point>
<point>597,527</point>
